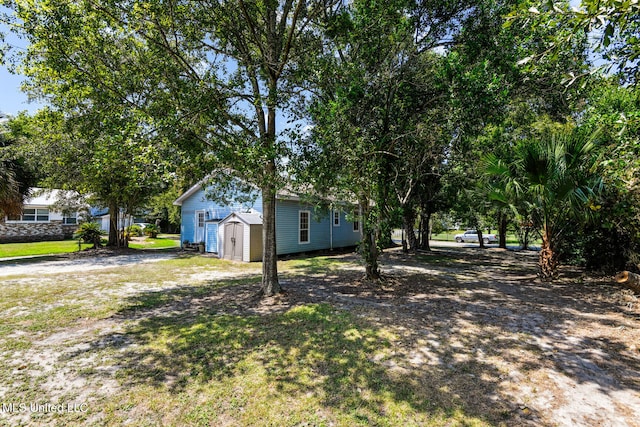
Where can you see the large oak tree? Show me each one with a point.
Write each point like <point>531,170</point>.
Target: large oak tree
<point>213,76</point>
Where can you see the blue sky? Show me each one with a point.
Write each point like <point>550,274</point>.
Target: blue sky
<point>12,100</point>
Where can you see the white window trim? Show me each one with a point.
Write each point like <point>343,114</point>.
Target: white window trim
<point>356,226</point>
<point>35,214</point>
<point>204,219</point>
<point>300,242</point>
<point>73,216</point>
<point>196,238</point>
<point>334,218</point>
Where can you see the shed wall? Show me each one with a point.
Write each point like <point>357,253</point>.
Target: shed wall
<point>255,241</point>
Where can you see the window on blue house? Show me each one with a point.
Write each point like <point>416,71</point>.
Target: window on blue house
<point>356,222</point>
<point>303,227</point>
<point>336,218</point>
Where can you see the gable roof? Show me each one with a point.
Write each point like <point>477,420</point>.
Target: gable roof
<point>285,193</point>
<point>247,218</point>
<point>44,196</point>
<point>190,192</point>
<point>282,194</point>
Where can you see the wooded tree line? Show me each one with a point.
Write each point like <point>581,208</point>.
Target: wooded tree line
<point>489,109</point>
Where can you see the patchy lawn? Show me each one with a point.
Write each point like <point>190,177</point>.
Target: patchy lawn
<point>8,250</point>
<point>163,241</point>
<point>453,337</point>
<point>40,248</point>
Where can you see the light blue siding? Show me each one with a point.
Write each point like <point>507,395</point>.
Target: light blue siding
<point>213,211</point>
<point>322,232</point>
<point>321,229</point>
<point>343,235</point>
<point>212,237</point>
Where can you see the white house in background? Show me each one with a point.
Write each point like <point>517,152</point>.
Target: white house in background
<point>104,220</point>
<point>40,220</point>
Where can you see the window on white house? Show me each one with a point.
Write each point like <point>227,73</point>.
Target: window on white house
<point>336,218</point>
<point>70,219</point>
<point>303,227</point>
<point>31,215</point>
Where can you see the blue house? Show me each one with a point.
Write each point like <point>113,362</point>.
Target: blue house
<point>233,229</point>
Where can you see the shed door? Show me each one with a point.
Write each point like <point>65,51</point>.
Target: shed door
<point>212,237</point>
<point>233,237</point>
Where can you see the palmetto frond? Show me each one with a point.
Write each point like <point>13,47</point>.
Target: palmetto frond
<point>554,176</point>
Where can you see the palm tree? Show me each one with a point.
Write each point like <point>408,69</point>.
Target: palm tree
<point>556,176</point>
<point>10,197</point>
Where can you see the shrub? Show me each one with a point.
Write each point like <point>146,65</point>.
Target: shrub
<point>89,232</point>
<point>152,230</point>
<point>133,231</point>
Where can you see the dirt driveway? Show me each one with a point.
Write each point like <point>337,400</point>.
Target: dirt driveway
<point>474,327</point>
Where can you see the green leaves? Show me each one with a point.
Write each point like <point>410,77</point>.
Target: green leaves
<point>555,174</point>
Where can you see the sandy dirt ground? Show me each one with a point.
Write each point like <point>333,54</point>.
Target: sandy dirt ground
<point>476,326</point>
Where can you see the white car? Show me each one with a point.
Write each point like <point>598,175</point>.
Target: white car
<point>472,236</point>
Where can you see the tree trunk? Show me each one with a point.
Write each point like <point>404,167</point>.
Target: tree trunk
<point>270,283</point>
<point>480,238</point>
<point>408,221</point>
<point>368,246</point>
<point>525,238</point>
<point>629,280</point>
<point>404,242</point>
<point>114,211</point>
<point>547,260</point>
<point>370,255</point>
<point>476,226</point>
<point>425,230</point>
<point>503,231</point>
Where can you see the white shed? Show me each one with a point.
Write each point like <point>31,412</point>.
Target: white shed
<point>240,237</point>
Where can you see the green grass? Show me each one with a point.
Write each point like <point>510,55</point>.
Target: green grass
<point>39,248</point>
<point>9,250</point>
<point>310,365</point>
<point>163,241</point>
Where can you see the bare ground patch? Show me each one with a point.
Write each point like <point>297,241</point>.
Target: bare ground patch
<point>516,349</point>
<point>467,328</point>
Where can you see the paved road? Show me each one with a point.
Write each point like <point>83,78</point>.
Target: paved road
<point>49,266</point>
<point>451,244</point>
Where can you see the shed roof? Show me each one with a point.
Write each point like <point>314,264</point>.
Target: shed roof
<point>247,218</point>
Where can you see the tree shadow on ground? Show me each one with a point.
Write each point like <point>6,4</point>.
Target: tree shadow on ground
<point>181,338</point>
<point>460,344</point>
